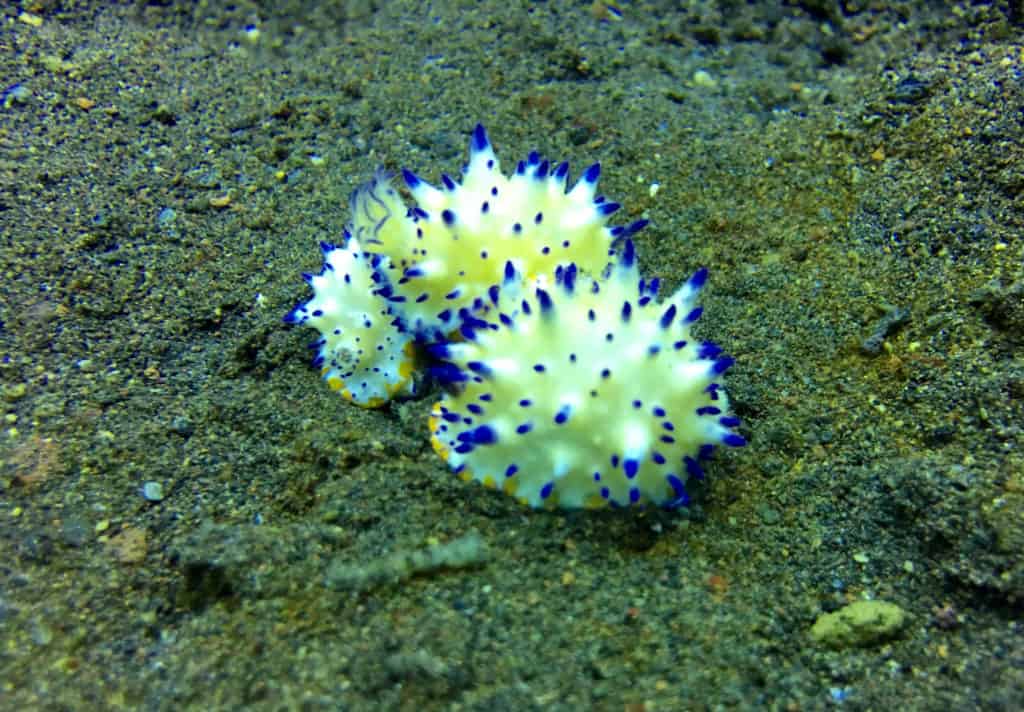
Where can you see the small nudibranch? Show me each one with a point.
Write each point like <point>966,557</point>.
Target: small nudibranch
<point>362,351</point>
<point>588,393</point>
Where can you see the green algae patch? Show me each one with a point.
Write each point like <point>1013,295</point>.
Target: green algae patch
<point>859,624</point>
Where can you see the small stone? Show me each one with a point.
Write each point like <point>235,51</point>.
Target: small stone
<point>859,624</point>
<point>74,532</point>
<point>30,19</point>
<point>129,546</point>
<point>153,491</point>
<point>181,425</point>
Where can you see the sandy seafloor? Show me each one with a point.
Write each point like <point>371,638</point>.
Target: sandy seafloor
<point>177,485</point>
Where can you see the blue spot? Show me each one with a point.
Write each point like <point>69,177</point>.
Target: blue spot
<point>480,141</point>
<point>607,208</point>
<point>637,404</point>
<point>605,493</point>
<point>699,278</point>
<point>615,460</point>
<point>562,171</point>
<point>447,373</point>
<point>668,316</point>
<point>658,411</point>
<point>720,366</point>
<point>517,228</point>
<point>524,428</point>
<point>542,171</point>
<point>510,271</point>
<point>562,415</point>
<point>318,312</point>
<point>410,178</point>
<point>538,218</point>
<point>445,315</point>
<point>634,495</point>
<point>447,181</point>
<point>631,229</point>
<point>448,216</point>
<point>454,294</point>
<point>538,367</point>
<point>475,409</point>
<point>511,470</point>
<point>544,300</point>
<point>676,484</point>
<point>729,421</point>
<point>679,345</point>
<point>492,292</point>
<point>692,468</point>
<point>546,490</point>
<point>627,311</point>
<point>439,351</point>
<point>709,350</point>
<point>464,448</point>
<point>694,315</point>
<point>597,477</point>
<point>484,435</point>
<point>569,278</point>
<point>525,403</point>
<point>630,467</point>
<point>734,440</point>
<point>628,254</point>
<point>706,450</point>
<point>708,410</point>
<point>592,173</point>
<point>479,368</point>
<point>658,458</point>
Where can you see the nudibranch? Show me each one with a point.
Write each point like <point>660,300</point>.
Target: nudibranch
<point>587,393</point>
<point>362,351</point>
<point>451,246</point>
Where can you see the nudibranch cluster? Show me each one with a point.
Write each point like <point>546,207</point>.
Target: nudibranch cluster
<point>568,383</point>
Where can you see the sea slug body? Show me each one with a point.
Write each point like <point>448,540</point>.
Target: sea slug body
<point>567,381</point>
<point>451,246</point>
<point>585,394</point>
<point>362,352</point>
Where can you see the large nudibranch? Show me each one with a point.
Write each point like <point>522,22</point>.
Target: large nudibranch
<point>586,394</point>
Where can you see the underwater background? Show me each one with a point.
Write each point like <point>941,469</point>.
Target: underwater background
<point>191,519</point>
